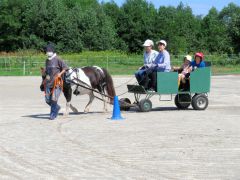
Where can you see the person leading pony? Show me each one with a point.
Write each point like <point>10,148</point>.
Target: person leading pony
<point>52,75</point>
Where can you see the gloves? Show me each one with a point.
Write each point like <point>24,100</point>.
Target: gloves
<point>147,65</point>
<point>151,65</point>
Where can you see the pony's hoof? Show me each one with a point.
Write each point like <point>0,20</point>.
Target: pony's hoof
<point>105,110</point>
<point>86,111</point>
<point>73,109</point>
<point>66,114</point>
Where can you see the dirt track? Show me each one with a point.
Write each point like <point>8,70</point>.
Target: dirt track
<point>163,144</point>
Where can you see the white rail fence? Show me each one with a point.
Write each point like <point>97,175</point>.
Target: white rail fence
<point>30,65</point>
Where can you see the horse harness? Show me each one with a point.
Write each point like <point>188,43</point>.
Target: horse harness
<point>102,77</point>
<point>99,72</point>
<point>76,91</point>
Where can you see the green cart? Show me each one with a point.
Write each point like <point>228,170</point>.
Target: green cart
<point>167,83</point>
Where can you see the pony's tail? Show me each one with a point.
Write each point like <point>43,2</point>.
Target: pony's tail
<point>109,85</point>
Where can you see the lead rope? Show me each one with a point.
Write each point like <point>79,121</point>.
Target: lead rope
<point>137,83</point>
<point>58,82</point>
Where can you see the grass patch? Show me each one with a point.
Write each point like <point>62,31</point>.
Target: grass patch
<point>230,69</point>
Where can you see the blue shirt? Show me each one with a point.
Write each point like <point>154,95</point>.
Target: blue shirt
<point>200,65</point>
<point>162,62</point>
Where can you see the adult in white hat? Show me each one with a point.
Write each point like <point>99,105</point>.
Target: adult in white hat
<point>149,56</point>
<point>161,63</point>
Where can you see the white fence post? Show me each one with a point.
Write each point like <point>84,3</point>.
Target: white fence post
<point>24,67</point>
<point>107,62</point>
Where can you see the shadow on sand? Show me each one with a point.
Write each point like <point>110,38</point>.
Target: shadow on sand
<point>132,110</point>
<point>159,109</point>
<point>46,116</point>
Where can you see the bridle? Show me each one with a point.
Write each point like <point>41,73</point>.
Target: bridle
<point>74,70</point>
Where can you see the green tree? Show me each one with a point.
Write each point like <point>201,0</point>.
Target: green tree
<point>215,33</point>
<point>74,25</point>
<point>98,31</point>
<point>179,27</point>
<point>136,23</point>
<point>11,24</point>
<point>113,11</point>
<point>51,21</point>
<point>231,18</point>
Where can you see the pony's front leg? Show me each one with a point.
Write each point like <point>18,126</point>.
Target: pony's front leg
<point>73,109</point>
<point>104,104</point>
<point>66,113</point>
<point>91,97</point>
<point>67,91</point>
<point>69,105</point>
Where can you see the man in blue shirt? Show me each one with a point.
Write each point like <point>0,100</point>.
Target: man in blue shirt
<point>161,63</point>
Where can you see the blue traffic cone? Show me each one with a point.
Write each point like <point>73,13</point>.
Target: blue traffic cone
<point>116,110</point>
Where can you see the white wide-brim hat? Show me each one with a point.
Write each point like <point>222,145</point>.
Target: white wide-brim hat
<point>148,42</point>
<point>162,42</point>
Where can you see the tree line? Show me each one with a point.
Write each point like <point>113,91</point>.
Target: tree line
<point>76,25</point>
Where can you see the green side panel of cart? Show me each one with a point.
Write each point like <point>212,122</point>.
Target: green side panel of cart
<point>200,80</point>
<point>167,82</point>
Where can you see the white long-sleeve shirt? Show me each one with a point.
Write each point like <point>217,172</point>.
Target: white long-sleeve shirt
<point>149,57</point>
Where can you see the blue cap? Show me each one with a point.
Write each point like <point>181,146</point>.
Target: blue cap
<point>50,48</point>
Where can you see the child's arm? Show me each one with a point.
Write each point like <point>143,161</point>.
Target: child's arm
<point>189,69</point>
<point>178,69</point>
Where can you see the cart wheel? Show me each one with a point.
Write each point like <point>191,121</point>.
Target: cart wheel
<point>182,101</point>
<point>145,105</point>
<point>199,102</point>
<point>124,104</point>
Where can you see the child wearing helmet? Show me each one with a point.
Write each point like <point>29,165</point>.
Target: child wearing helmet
<point>198,61</point>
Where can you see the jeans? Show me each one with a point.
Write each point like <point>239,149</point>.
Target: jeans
<point>51,100</point>
<point>143,76</point>
<point>140,75</point>
<point>153,78</point>
<point>54,96</point>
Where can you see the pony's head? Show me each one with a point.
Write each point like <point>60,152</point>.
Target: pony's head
<point>42,70</point>
<point>43,73</point>
<point>71,74</point>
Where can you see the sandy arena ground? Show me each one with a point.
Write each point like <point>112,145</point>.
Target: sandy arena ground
<point>163,144</point>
